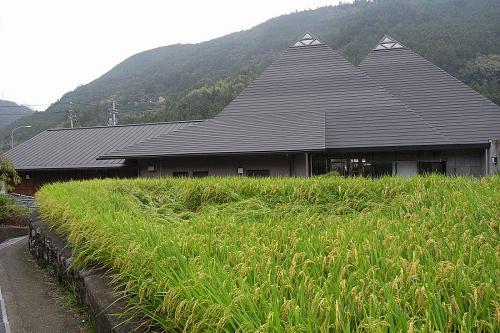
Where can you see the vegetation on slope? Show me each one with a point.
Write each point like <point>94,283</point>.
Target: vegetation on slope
<point>10,112</point>
<point>8,175</point>
<point>309,255</point>
<point>11,213</point>
<point>460,36</point>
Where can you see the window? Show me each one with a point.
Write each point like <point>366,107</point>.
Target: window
<point>200,174</point>
<point>351,166</point>
<point>431,167</point>
<point>319,166</point>
<point>258,173</point>
<point>179,174</point>
<point>339,166</point>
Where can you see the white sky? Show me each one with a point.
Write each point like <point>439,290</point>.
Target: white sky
<point>49,47</point>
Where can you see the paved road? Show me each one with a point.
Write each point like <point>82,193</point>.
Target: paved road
<point>29,299</point>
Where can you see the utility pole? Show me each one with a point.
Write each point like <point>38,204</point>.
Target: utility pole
<point>71,115</point>
<point>112,113</point>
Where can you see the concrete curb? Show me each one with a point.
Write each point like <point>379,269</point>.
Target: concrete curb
<point>8,231</point>
<point>93,288</point>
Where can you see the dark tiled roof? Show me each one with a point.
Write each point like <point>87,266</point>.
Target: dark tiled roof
<point>259,132</point>
<point>79,147</point>
<point>454,109</point>
<point>310,98</point>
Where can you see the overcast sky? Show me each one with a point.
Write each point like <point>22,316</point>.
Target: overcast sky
<point>50,47</point>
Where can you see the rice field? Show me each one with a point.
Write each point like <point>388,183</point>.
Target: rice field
<point>324,254</point>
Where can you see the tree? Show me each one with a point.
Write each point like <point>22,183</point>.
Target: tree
<point>483,74</point>
<point>8,175</point>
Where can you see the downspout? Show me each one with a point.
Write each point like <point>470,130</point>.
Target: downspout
<point>487,161</point>
<point>310,165</point>
<point>307,164</point>
<point>395,163</point>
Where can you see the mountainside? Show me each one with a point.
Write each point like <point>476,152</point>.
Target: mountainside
<point>188,81</point>
<point>11,111</point>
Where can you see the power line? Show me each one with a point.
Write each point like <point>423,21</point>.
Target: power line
<point>56,112</point>
<point>54,104</point>
<point>23,105</point>
<point>29,114</point>
<point>15,114</point>
<point>112,112</point>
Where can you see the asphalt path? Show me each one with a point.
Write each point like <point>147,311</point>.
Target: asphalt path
<point>30,301</point>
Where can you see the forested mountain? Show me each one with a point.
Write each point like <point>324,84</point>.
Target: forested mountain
<point>10,112</point>
<point>188,81</point>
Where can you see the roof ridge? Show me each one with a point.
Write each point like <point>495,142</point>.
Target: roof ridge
<point>216,121</point>
<point>128,125</point>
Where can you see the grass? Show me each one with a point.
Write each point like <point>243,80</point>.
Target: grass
<point>11,213</point>
<point>66,295</point>
<point>297,255</point>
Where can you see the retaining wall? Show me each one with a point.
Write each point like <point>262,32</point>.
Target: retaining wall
<point>93,288</point>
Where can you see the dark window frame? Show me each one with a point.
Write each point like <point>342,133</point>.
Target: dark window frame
<point>180,174</point>
<point>258,173</point>
<point>200,174</point>
<point>427,167</point>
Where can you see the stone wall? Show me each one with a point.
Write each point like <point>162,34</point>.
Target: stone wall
<point>93,288</point>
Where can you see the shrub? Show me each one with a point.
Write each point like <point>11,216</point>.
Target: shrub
<point>8,174</point>
<point>10,212</point>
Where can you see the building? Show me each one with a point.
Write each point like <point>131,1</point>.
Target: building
<point>310,112</point>
<point>71,153</point>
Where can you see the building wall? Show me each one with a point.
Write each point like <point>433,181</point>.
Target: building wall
<point>466,163</point>
<point>470,162</point>
<point>32,181</point>
<point>460,162</point>
<point>494,153</point>
<point>278,165</point>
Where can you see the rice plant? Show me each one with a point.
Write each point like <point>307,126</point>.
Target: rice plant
<point>292,255</point>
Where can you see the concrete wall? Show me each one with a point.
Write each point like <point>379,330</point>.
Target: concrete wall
<point>278,165</point>
<point>460,162</point>
<point>494,151</point>
<point>466,163</point>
